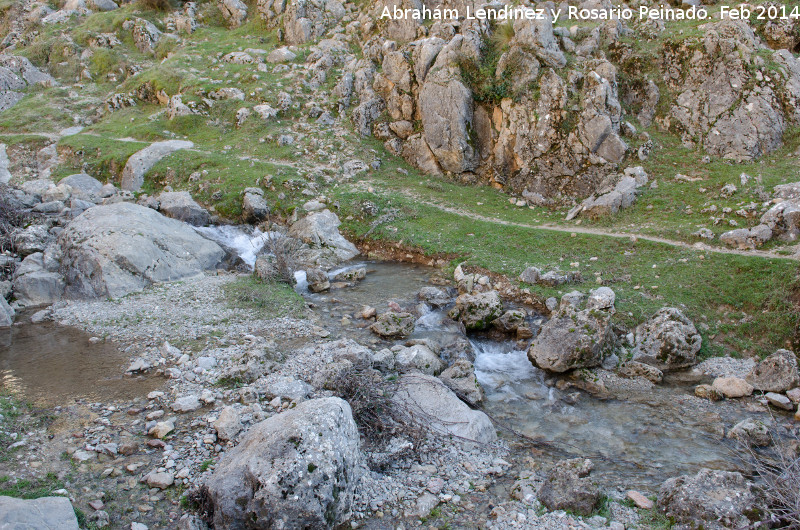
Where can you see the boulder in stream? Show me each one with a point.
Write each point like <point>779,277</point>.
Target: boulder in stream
<point>668,340</point>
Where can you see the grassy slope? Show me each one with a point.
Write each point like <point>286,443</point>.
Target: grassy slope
<point>742,304</point>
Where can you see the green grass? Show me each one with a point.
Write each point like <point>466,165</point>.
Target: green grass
<point>30,488</point>
<point>265,299</point>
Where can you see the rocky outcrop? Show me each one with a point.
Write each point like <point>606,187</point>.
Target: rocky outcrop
<point>776,373</point>
<point>52,513</point>
<point>113,250</point>
<point>573,338</point>
<point>16,74</point>
<point>233,11</point>
<point>709,499</point>
<point>297,469</point>
<point>721,104</point>
<point>668,340</point>
<point>426,401</point>
<point>140,162</point>
<point>302,21</point>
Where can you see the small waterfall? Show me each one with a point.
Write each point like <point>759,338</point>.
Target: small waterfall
<point>301,282</point>
<point>244,241</point>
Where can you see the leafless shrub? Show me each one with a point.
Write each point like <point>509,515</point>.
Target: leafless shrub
<point>379,420</point>
<point>278,259</point>
<point>10,218</point>
<point>158,5</point>
<point>778,471</point>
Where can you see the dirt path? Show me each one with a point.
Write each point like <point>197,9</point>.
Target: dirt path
<point>700,247</point>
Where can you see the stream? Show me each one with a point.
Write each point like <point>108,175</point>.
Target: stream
<point>637,441</point>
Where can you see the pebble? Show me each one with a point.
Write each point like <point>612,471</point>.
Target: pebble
<point>640,500</point>
<point>779,401</point>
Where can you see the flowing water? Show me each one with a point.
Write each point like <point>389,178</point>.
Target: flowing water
<point>636,441</point>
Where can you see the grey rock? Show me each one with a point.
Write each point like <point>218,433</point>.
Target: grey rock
<point>318,280</point>
<point>187,404</point>
<point>321,230</point>
<point>779,401</point>
<point>30,240</point>
<point>712,499</point>
<point>530,275</point>
<point>140,162</point>
<point>418,357</point>
<point>297,469</point>
<point>103,5</point>
<point>233,11</point>
<point>460,378</point>
<point>751,432</point>
<point>668,340</point>
<point>782,220</point>
<point>254,206</point>
<point>433,296</point>
<point>114,250</point>
<point>568,487</point>
<point>289,388</point>
<point>572,339</point>
<point>34,285</point>
<point>228,424</point>
<point>83,186</point>
<point>161,480</point>
<point>509,321</point>
<point>180,205</point>
<point>428,402</point>
<point>776,373</point>
<point>51,513</point>
<point>6,313</point>
<point>747,238</point>
<point>394,325</point>
<point>477,311</point>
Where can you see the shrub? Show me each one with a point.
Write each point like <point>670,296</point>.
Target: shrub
<point>278,259</point>
<point>157,5</point>
<point>778,470</point>
<point>11,218</point>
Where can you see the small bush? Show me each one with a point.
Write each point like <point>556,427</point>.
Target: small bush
<point>778,470</point>
<point>279,258</point>
<point>156,5</point>
<point>11,218</point>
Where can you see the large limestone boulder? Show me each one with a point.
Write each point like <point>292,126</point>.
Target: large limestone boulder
<point>477,311</point>
<point>180,205</point>
<point>568,487</point>
<point>428,402</point>
<point>320,230</point>
<point>51,513</point>
<point>297,469</point>
<point>113,250</point>
<point>254,206</point>
<point>776,373</point>
<point>447,119</point>
<point>6,313</point>
<point>83,186</point>
<point>574,337</point>
<point>668,340</point>
<point>710,499</point>
<point>418,357</point>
